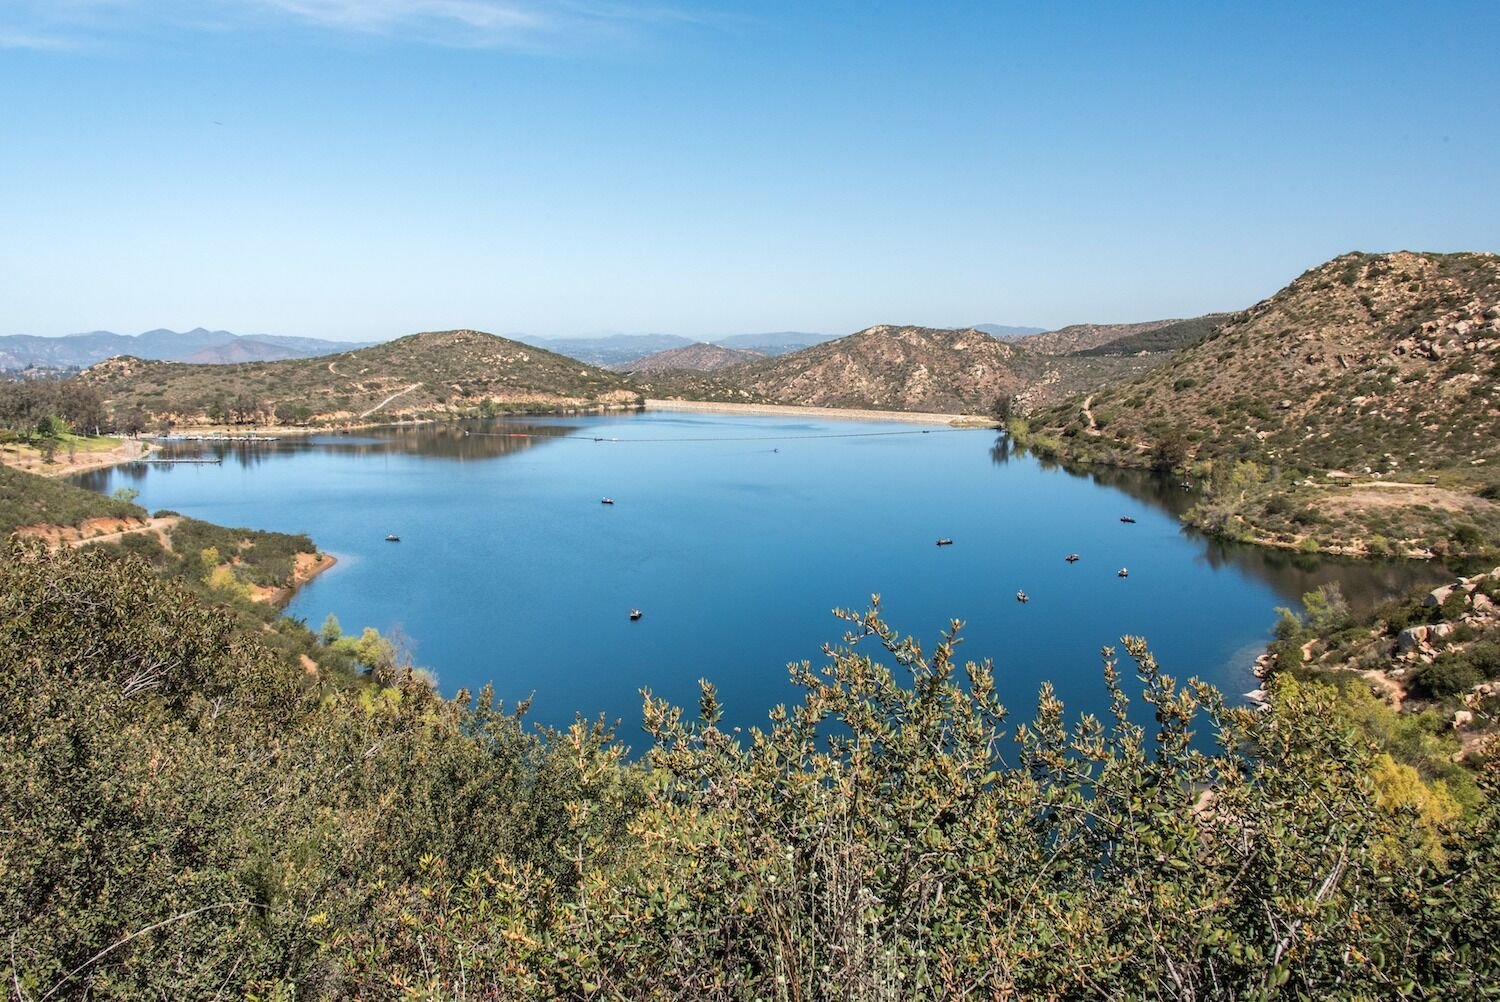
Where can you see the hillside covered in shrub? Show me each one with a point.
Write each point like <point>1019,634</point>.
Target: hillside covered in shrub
<point>1357,410</point>
<point>454,373</point>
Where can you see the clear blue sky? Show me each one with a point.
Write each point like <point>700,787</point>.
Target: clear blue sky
<point>369,168</point>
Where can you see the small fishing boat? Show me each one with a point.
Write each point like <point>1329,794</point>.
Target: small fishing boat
<point>1071,558</point>
<point>1021,596</point>
<point>1127,518</point>
<point>1123,572</point>
<point>606,500</point>
<point>393,538</point>
<point>635,614</point>
<point>945,541</point>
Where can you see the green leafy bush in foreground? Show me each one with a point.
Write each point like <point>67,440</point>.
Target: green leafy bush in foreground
<point>184,816</point>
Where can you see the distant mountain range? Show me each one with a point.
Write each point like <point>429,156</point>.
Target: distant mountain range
<point>25,351</point>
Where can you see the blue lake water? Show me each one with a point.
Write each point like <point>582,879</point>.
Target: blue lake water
<point>736,537</point>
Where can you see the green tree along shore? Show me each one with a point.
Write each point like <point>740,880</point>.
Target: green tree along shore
<point>186,812</point>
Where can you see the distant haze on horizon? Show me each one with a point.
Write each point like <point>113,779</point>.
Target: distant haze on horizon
<point>354,171</point>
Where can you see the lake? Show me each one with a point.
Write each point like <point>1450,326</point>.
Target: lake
<point>735,537</point>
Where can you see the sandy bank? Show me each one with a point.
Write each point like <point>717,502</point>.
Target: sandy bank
<point>837,413</point>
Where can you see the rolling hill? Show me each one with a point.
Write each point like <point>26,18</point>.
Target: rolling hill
<point>902,368</point>
<point>699,357</point>
<point>1376,370</point>
<point>242,350</point>
<point>1081,337</point>
<point>894,368</point>
<point>1175,336</point>
<point>445,372</point>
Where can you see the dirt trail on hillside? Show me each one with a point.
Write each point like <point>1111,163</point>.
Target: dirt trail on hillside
<point>160,526</point>
<point>393,396</point>
<point>1088,414</point>
<point>100,530</point>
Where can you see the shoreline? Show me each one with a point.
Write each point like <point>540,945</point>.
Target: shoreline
<point>135,449</point>
<point>306,566</point>
<point>834,413</point>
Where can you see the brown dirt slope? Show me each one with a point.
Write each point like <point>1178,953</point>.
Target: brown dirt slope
<point>433,373</point>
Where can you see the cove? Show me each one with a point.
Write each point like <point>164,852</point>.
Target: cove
<point>735,537</point>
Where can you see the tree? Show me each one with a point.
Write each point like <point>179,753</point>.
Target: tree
<point>1005,407</point>
<point>1170,451</point>
<point>290,413</point>
<point>246,409</point>
<point>131,422</point>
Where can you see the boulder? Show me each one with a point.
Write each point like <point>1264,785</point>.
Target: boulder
<point>1437,596</point>
<point>1411,638</point>
<point>1462,718</point>
<point>1483,604</point>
